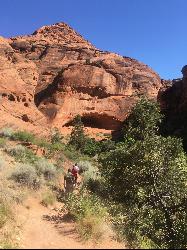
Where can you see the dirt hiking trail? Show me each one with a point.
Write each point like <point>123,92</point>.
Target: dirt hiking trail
<point>45,228</point>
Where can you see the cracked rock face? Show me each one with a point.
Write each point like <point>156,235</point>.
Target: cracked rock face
<point>49,77</point>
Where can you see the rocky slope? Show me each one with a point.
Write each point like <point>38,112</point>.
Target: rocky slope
<point>49,77</point>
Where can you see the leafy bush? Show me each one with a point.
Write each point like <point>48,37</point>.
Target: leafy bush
<point>23,136</point>
<point>89,213</point>
<point>45,168</point>
<point>91,178</point>
<point>77,137</point>
<point>147,174</point>
<point>152,175</point>
<point>26,175</point>
<point>107,145</point>
<point>91,147</point>
<point>143,121</point>
<point>88,171</point>
<point>22,154</point>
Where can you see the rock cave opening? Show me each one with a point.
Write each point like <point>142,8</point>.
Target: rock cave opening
<point>44,94</point>
<point>100,121</point>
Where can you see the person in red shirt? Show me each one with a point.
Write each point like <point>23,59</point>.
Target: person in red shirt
<point>74,172</point>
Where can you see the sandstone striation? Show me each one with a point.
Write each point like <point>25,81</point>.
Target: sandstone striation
<point>49,77</point>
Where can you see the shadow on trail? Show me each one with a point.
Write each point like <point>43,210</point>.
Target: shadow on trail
<point>60,194</point>
<point>64,223</point>
<point>57,219</point>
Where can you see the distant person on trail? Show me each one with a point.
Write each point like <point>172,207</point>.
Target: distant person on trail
<point>68,182</point>
<point>75,171</point>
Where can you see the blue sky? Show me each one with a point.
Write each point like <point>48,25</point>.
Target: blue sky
<point>152,31</point>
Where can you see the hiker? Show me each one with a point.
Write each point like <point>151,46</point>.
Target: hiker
<point>74,172</point>
<point>68,182</point>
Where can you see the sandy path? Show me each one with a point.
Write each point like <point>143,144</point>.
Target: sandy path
<point>43,228</point>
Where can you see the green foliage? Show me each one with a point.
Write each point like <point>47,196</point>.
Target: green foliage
<point>23,136</point>
<point>89,213</point>
<point>56,136</point>
<point>143,120</point>
<point>152,175</point>
<point>22,154</point>
<point>26,175</point>
<point>107,145</point>
<point>70,152</point>
<point>91,178</point>
<point>54,149</point>
<point>41,142</point>
<point>77,137</point>
<point>6,132</point>
<point>46,169</point>
<point>91,147</point>
<point>151,172</point>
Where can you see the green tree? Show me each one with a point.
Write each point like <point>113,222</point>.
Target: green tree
<point>56,136</point>
<point>143,121</point>
<point>150,178</point>
<point>77,137</point>
<point>147,173</point>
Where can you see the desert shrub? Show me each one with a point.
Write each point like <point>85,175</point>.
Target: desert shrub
<point>23,136</point>
<point>22,154</point>
<point>56,136</point>
<point>5,212</point>
<point>48,198</point>
<point>45,168</point>
<point>42,142</point>
<point>3,142</point>
<point>56,147</point>
<point>87,170</point>
<point>18,151</point>
<point>26,175</point>
<point>89,213</point>
<point>91,178</point>
<point>6,132</point>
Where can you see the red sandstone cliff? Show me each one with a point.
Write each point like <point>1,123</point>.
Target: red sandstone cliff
<point>49,77</point>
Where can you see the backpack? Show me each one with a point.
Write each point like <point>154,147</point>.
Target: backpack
<point>69,178</point>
